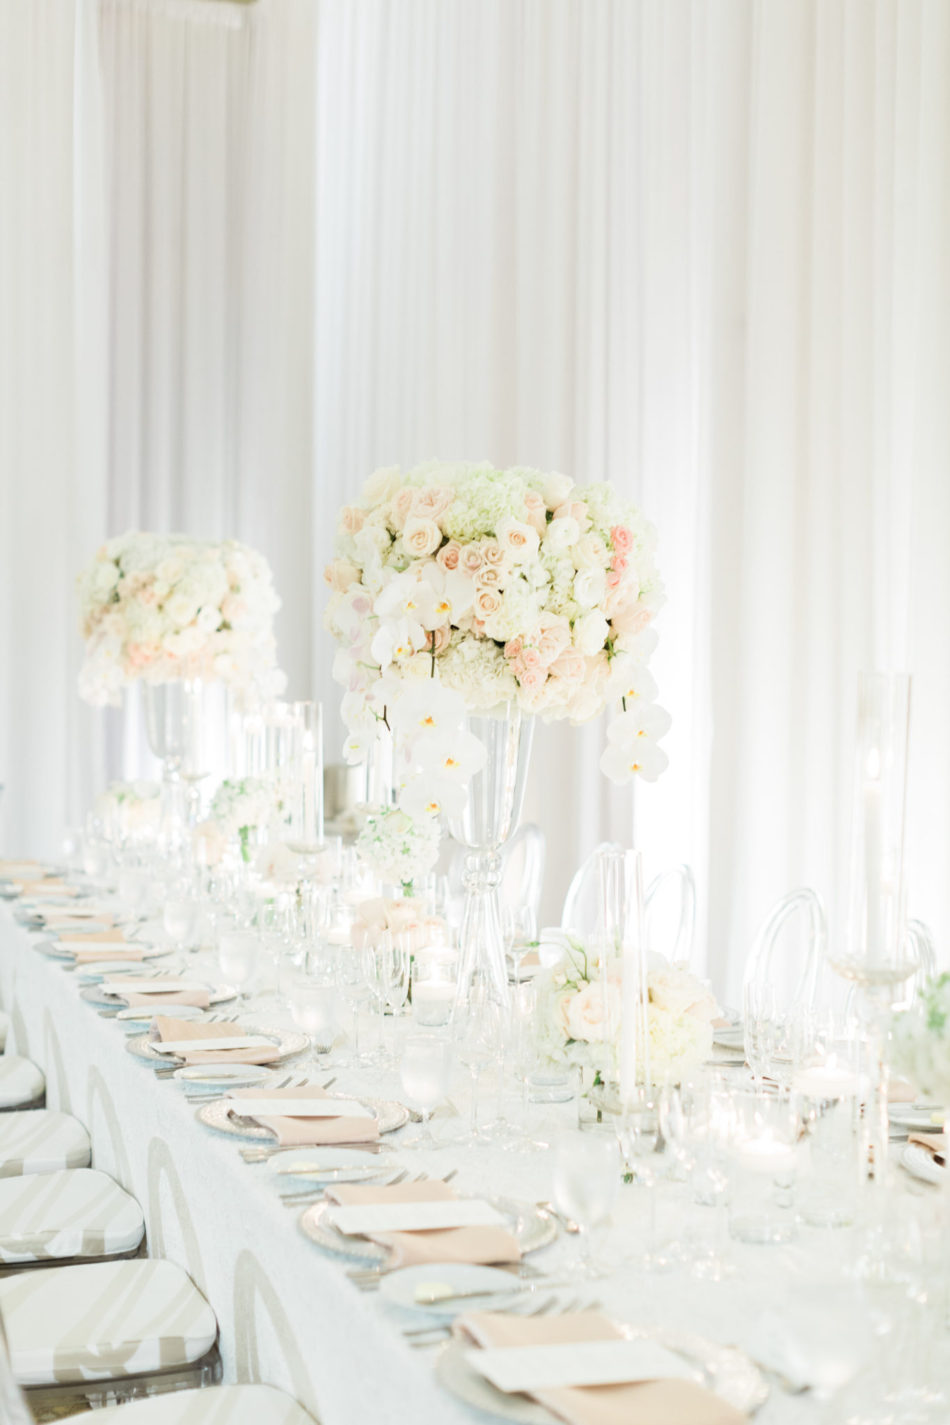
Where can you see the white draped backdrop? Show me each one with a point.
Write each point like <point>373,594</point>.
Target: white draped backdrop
<point>248,252</point>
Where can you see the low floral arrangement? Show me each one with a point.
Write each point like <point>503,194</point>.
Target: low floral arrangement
<point>165,606</point>
<point>399,849</point>
<point>241,807</point>
<point>581,1011</point>
<point>405,915</point>
<point>132,809</point>
<point>492,585</point>
<point>920,1041</point>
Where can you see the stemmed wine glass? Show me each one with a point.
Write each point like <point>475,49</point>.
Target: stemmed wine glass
<point>637,1126</point>
<point>478,1032</point>
<point>585,1187</point>
<point>520,930</point>
<point>425,1067</point>
<point>355,972</point>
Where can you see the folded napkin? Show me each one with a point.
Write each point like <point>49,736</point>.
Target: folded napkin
<point>309,1132</point>
<point>935,1143</point>
<point>45,888</point>
<point>478,1245</point>
<point>177,1029</point>
<point>75,935</point>
<point>66,920</point>
<point>21,870</point>
<point>659,1402</point>
<point>198,999</point>
<point>900,1091</point>
<point>92,954</point>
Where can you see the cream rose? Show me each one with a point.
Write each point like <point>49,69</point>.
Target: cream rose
<point>421,537</point>
<point>519,539</point>
<point>593,1014</point>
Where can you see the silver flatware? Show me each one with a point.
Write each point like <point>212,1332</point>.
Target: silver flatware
<point>300,1199</point>
<point>567,1223</point>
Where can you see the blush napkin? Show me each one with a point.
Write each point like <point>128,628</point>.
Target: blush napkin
<point>935,1144</point>
<point>177,1029</point>
<point>659,1402</point>
<point>91,955</point>
<point>196,999</point>
<point>477,1245</point>
<point>299,1132</point>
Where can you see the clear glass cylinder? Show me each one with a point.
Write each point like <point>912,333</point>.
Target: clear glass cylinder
<point>490,816</point>
<point>305,780</point>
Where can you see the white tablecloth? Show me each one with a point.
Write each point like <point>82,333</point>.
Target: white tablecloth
<point>287,1314</point>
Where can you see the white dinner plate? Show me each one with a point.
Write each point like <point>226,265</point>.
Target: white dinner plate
<point>920,1164</point>
<point>724,1370</point>
<point>531,1228</point>
<point>729,1038</point>
<point>218,1115</point>
<point>503,1291</point>
<point>224,1076</point>
<point>915,1116</point>
<point>320,1165</point>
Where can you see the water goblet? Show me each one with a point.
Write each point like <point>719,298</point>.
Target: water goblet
<point>425,1066</point>
<point>585,1187</point>
<point>181,918</point>
<point>315,1007</point>
<point>237,956</point>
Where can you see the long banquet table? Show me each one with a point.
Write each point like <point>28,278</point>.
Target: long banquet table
<point>287,1313</point>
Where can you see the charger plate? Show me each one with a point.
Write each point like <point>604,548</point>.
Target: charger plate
<point>530,1226</point>
<point>288,1042</point>
<point>390,1115</point>
<point>725,1370</point>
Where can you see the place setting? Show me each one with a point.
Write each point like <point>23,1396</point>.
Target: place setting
<point>303,1116</point>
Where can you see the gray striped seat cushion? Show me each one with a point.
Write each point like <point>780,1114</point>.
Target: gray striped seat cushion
<point>218,1405</point>
<point>21,1081</point>
<point>76,1212</point>
<point>39,1140</point>
<point>103,1321</point>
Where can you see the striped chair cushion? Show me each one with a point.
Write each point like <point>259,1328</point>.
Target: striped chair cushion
<point>39,1140</point>
<point>218,1405</point>
<point>75,1212</point>
<point>103,1321</point>
<point>21,1081</point>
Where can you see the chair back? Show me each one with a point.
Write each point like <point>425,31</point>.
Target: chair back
<point>762,971</point>
<point>522,869</point>
<point>580,912</point>
<point>678,946</point>
<point>13,1407</point>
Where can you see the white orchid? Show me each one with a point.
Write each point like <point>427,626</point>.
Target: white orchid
<point>428,708</point>
<point>432,796</point>
<point>456,755</point>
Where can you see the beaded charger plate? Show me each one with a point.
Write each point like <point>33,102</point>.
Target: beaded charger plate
<point>389,1115</point>
<point>531,1227</point>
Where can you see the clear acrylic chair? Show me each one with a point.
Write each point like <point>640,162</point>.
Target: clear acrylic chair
<point>580,912</point>
<point>780,1000</point>
<point>522,869</point>
<point>678,947</point>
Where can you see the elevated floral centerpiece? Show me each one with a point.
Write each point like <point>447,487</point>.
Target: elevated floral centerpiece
<point>175,613</point>
<point>166,607</point>
<point>465,599</point>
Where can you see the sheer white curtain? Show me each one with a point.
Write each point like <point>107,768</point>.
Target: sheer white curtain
<point>695,248</point>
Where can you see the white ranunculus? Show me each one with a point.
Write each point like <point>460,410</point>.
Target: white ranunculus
<point>561,535</point>
<point>555,489</point>
<point>590,586</point>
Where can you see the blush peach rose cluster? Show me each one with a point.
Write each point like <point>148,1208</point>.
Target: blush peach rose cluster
<point>581,1009</point>
<point>160,607</point>
<point>496,585</point>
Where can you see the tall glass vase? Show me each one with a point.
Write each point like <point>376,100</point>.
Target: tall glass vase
<point>173,725</point>
<point>489,819</point>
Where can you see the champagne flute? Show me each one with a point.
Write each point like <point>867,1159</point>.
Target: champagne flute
<point>585,1187</point>
<point>425,1067</point>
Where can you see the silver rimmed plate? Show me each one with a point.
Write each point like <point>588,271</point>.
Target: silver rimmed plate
<point>389,1116</point>
<point>920,1117</point>
<point>724,1370</point>
<point>531,1228</point>
<point>56,951</point>
<point>920,1164</point>
<point>95,994</point>
<point>286,1041</point>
